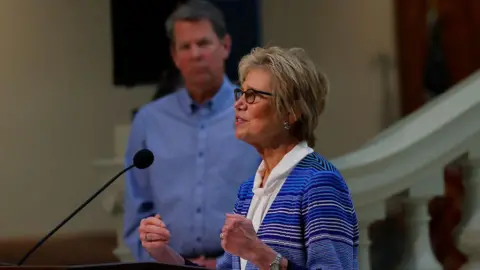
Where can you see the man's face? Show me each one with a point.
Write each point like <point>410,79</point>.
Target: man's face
<point>198,52</point>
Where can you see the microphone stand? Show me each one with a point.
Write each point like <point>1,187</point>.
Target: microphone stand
<point>72,215</point>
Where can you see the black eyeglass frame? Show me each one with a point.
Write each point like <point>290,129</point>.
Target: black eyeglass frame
<point>250,94</point>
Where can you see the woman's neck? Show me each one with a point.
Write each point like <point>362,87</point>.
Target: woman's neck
<point>272,156</point>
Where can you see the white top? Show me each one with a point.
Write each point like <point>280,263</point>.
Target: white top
<point>264,197</point>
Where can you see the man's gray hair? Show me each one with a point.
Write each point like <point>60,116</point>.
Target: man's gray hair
<point>196,10</point>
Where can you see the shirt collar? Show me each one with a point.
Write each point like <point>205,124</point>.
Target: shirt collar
<point>222,99</point>
<point>282,170</point>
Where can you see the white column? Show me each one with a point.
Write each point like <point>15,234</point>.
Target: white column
<point>366,215</point>
<point>112,202</point>
<point>469,240</point>
<point>419,254</point>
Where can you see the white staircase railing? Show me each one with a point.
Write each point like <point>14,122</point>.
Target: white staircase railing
<point>410,157</point>
<point>402,165</point>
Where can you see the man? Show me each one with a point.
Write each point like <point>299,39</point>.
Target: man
<point>191,133</point>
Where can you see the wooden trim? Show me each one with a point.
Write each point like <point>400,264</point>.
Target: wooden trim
<point>65,249</point>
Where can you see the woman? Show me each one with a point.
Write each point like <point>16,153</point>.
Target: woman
<point>296,213</point>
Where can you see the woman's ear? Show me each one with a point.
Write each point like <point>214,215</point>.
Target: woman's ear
<point>294,116</point>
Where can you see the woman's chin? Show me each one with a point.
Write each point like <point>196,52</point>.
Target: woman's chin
<point>240,134</point>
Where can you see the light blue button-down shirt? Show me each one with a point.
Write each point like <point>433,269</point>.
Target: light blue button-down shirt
<point>198,168</point>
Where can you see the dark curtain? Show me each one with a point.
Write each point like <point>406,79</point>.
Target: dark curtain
<point>412,42</point>
<point>436,77</point>
<point>460,21</point>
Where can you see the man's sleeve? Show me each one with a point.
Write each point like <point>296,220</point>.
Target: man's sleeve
<point>138,202</point>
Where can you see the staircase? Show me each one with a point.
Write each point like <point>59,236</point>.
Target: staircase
<point>398,173</point>
<point>403,167</point>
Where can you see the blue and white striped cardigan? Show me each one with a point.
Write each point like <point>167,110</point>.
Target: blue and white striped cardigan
<point>311,222</point>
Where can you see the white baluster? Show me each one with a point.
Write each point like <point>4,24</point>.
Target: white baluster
<point>113,202</point>
<point>113,199</point>
<point>419,254</point>
<point>469,240</point>
<point>366,215</point>
<point>114,205</point>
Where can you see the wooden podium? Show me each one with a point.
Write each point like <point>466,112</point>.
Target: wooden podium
<point>108,266</point>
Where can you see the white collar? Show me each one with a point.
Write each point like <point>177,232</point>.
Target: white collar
<point>282,170</point>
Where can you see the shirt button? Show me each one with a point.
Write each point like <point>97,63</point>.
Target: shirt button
<point>199,239</point>
<point>202,126</point>
<point>199,210</point>
<point>200,154</point>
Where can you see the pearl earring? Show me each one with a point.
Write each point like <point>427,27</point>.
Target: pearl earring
<point>286,125</point>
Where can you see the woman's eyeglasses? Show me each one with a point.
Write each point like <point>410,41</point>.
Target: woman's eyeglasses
<point>250,94</point>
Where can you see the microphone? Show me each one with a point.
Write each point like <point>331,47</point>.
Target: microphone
<point>142,160</point>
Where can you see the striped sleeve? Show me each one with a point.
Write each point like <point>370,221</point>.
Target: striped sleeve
<point>331,231</point>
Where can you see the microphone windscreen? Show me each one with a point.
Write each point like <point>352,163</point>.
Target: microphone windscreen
<point>143,159</point>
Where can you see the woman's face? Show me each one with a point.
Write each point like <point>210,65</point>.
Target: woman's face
<point>256,119</point>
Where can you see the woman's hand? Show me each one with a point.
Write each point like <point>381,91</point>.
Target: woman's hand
<point>154,235</point>
<point>239,238</point>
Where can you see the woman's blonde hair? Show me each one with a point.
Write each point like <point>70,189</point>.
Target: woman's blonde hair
<point>299,88</point>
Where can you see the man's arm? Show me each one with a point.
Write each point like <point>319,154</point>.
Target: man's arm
<point>138,201</point>
<point>331,230</point>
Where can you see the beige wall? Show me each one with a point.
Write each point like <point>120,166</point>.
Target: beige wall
<point>58,106</point>
<point>345,38</point>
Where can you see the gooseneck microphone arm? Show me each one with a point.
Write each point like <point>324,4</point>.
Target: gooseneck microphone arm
<point>142,160</point>
<point>52,232</point>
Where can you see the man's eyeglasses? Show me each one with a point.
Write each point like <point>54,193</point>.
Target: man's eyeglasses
<point>250,94</point>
